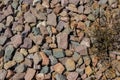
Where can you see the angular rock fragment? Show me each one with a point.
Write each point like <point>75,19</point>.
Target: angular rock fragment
<point>2,40</point>
<point>18,57</point>
<point>60,26</point>
<point>44,69</point>
<point>9,64</point>
<point>36,58</point>
<point>33,49</point>
<point>27,43</point>
<point>59,68</point>
<point>70,64</point>
<point>18,76</point>
<point>45,59</point>
<point>58,53</point>
<point>81,49</point>
<point>3,74</point>
<point>20,68</point>
<point>72,76</point>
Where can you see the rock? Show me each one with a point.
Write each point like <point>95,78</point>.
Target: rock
<point>62,40</point>
<point>87,60</point>
<point>58,53</point>
<point>88,70</point>
<point>72,8</point>
<point>43,30</point>
<point>36,58</point>
<point>37,66</point>
<point>8,11</point>
<point>81,49</point>
<point>29,74</point>
<point>51,19</point>
<point>27,43</point>
<point>110,73</point>
<point>81,25</point>
<point>80,61</point>
<point>9,64</point>
<point>20,68</point>
<point>40,76</point>
<point>29,17</point>
<point>18,57</point>
<point>60,77</point>
<point>28,2</point>
<point>68,53</point>
<point>53,60</point>
<point>2,26</point>
<point>9,20</point>
<point>16,40</point>
<point>75,2</point>
<point>85,42</point>
<point>76,56</point>
<point>38,39</point>
<point>15,4</point>
<point>72,76</point>
<point>8,33</point>
<point>2,40</point>
<point>70,64</point>
<point>8,53</point>
<point>47,52</point>
<point>23,51</point>
<point>59,68</point>
<point>64,2</point>
<point>35,31</point>
<point>44,69</point>
<point>18,76</point>
<point>3,74</point>
<point>111,2</point>
<point>60,26</point>
<point>87,10</point>
<point>28,62</point>
<point>45,59</point>
<point>87,23</point>
<point>91,17</point>
<point>34,49</point>
<point>103,1</point>
<point>80,9</point>
<point>9,74</point>
<point>80,71</point>
<point>45,3</point>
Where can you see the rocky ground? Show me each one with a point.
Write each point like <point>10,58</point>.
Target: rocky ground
<point>47,40</point>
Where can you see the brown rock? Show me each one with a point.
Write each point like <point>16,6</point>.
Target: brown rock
<point>8,11</point>
<point>88,70</point>
<point>29,74</point>
<point>64,2</point>
<point>70,64</point>
<point>8,33</point>
<point>72,7</point>
<point>110,73</point>
<point>45,59</point>
<point>43,30</point>
<point>16,40</point>
<point>27,1</point>
<point>38,39</point>
<point>59,68</point>
<point>40,76</point>
<point>68,53</point>
<point>36,58</point>
<point>29,17</point>
<point>23,51</point>
<point>28,62</point>
<point>18,76</point>
<point>81,26</point>
<point>9,20</point>
<point>9,74</point>
<point>81,49</point>
<point>3,74</point>
<point>75,2</point>
<point>34,49</point>
<point>9,64</point>
<point>27,43</point>
<point>72,76</point>
<point>62,40</point>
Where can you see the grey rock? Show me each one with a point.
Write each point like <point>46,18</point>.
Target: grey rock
<point>81,9</point>
<point>60,26</point>
<point>3,74</point>
<point>15,4</point>
<point>35,31</point>
<point>36,58</point>
<point>18,57</point>
<point>91,17</point>
<point>58,53</point>
<point>75,2</point>
<point>44,69</point>
<point>8,53</point>
<point>53,60</point>
<point>2,40</point>
<point>18,76</point>
<point>87,23</point>
<point>76,56</point>
<point>60,77</point>
<point>20,68</point>
<point>47,52</point>
<point>103,1</point>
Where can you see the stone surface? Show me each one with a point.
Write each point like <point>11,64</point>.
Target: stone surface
<point>33,49</point>
<point>45,59</point>
<point>18,57</point>
<point>20,68</point>
<point>60,77</point>
<point>59,68</point>
<point>44,69</point>
<point>72,76</point>
<point>18,76</point>
<point>9,64</point>
<point>68,53</point>
<point>70,65</point>
<point>27,43</point>
<point>3,74</point>
<point>58,53</point>
<point>2,40</point>
<point>88,70</point>
<point>36,58</point>
<point>53,60</point>
<point>81,49</point>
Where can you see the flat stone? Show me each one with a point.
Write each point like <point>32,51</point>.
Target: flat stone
<point>36,58</point>
<point>27,43</point>
<point>44,69</point>
<point>34,49</point>
<point>110,73</point>
<point>60,77</point>
<point>88,70</point>
<point>58,53</point>
<point>70,64</point>
<point>2,40</point>
<point>38,39</point>
<point>68,53</point>
<point>72,8</point>
<point>3,74</point>
<point>59,68</point>
<point>18,76</point>
<point>62,40</point>
<point>28,62</point>
<point>75,2</point>
<point>53,60</point>
<point>8,33</point>
<point>23,51</point>
<point>51,19</point>
<point>16,40</point>
<point>20,68</point>
<point>91,17</point>
<point>47,52</point>
<point>81,49</point>
<point>64,2</point>
<point>43,30</point>
<point>29,17</point>
<point>8,53</point>
<point>60,26</point>
<point>9,20</point>
<point>76,56</point>
<point>45,59</point>
<point>72,76</point>
<point>80,9</point>
<point>9,64</point>
<point>18,57</point>
<point>29,74</point>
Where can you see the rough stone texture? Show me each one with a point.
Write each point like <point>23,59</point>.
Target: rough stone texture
<point>70,65</point>
<point>59,68</point>
<point>9,64</point>
<point>72,76</point>
<point>18,57</point>
<point>3,74</point>
<point>58,53</point>
<point>45,59</point>
<point>2,40</point>
<point>81,49</point>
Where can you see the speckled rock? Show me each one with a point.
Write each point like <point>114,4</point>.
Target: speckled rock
<point>59,68</point>
<point>70,64</point>
<point>72,76</point>
<point>18,57</point>
<point>58,53</point>
<point>2,40</point>
<point>3,74</point>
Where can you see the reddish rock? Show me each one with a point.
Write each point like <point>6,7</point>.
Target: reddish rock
<point>16,40</point>
<point>45,59</point>
<point>29,74</point>
<point>72,76</point>
<point>62,40</point>
<point>81,49</point>
<point>59,68</point>
<point>27,43</point>
<point>28,62</point>
<point>8,11</point>
<point>8,33</point>
<point>18,76</point>
<point>43,30</point>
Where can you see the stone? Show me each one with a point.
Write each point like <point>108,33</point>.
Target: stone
<point>47,52</point>
<point>43,30</point>
<point>15,4</point>
<point>60,26</point>
<point>62,40</point>
<point>8,53</point>
<point>80,61</point>
<point>3,74</point>
<point>45,59</point>
<point>2,39</point>
<point>75,2</point>
<point>58,53</point>
<point>81,49</point>
<point>53,60</point>
<point>87,23</point>
<point>87,60</point>
<point>81,25</point>
<point>23,51</point>
<point>16,40</point>
<point>40,76</point>
<point>27,43</point>
<point>18,57</point>
<point>87,10</point>
<point>72,8</point>
<point>8,11</point>
<point>72,76</point>
<point>35,31</point>
<point>8,33</point>
<point>76,56</point>
<point>91,17</point>
<point>88,70</point>
<point>59,68</point>
<point>18,76</point>
<point>9,64</point>
<point>28,62</point>
<point>70,64</point>
<point>9,20</point>
<point>85,42</point>
<point>37,66</point>
<point>68,53</point>
<point>29,17</point>
<point>60,77</point>
<point>111,2</point>
<point>103,1</point>
<point>2,26</point>
<point>9,74</point>
<point>110,73</point>
<point>29,74</point>
<point>45,3</point>
<point>80,71</point>
<point>34,49</point>
<point>44,69</point>
<point>27,1</point>
<point>80,9</point>
<point>36,58</point>
<point>20,68</point>
<point>64,2</point>
<point>51,19</point>
<point>38,39</point>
